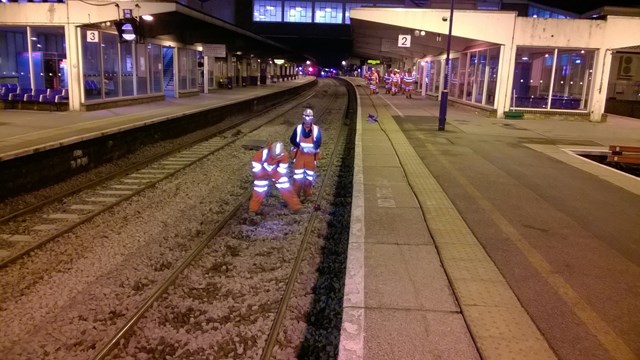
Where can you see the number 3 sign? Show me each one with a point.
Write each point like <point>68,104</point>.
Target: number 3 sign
<point>404,40</point>
<point>92,36</point>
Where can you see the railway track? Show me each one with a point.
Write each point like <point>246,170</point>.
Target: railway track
<point>29,228</point>
<point>245,270</point>
<point>310,219</point>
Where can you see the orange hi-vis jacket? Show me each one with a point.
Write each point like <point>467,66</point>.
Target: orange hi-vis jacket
<point>265,169</point>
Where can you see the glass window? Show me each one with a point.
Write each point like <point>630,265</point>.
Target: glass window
<point>142,66</point>
<point>193,69</point>
<point>49,57</point>
<point>155,67</point>
<point>492,78</point>
<point>481,71</point>
<point>328,13</point>
<point>111,65</point>
<point>572,79</point>
<point>532,77</point>
<point>126,68</point>
<point>298,11</point>
<point>14,52</point>
<point>453,77</point>
<point>347,10</point>
<point>436,68</point>
<point>91,65</point>
<point>462,75</point>
<point>470,86</point>
<point>188,69</point>
<point>267,11</point>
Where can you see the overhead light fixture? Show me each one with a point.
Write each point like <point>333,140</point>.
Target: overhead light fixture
<point>147,17</point>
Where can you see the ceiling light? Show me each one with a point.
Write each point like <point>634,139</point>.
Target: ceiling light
<point>147,17</point>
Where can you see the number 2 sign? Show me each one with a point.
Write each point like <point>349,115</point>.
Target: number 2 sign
<point>404,40</point>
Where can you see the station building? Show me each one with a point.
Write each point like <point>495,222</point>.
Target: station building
<point>507,64</point>
<point>505,55</point>
<point>97,54</point>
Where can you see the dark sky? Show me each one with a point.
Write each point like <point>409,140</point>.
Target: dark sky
<point>583,6</point>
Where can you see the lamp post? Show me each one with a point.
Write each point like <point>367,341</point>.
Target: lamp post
<point>444,97</point>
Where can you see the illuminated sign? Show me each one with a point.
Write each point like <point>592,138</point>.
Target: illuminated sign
<point>373,62</point>
<point>278,61</point>
<point>127,29</point>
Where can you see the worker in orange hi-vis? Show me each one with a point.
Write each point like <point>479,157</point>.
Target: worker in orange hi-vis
<point>272,164</point>
<point>306,139</point>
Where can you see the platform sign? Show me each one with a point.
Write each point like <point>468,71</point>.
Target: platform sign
<point>92,36</point>
<point>404,40</point>
<point>214,50</point>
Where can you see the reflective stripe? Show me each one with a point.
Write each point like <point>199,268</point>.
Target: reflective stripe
<point>314,129</point>
<point>298,176</point>
<point>268,167</point>
<point>261,182</point>
<point>310,172</point>
<point>260,188</point>
<point>282,171</point>
<point>282,183</point>
<point>256,166</point>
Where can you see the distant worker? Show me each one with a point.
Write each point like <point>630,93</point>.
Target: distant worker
<point>272,164</point>
<point>306,140</point>
<point>395,83</point>
<point>409,79</point>
<point>387,82</point>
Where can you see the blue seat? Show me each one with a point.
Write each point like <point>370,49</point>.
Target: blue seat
<point>35,95</point>
<point>8,90</point>
<point>20,94</point>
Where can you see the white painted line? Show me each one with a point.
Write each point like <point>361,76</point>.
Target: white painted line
<point>20,238</point>
<point>62,216</point>
<point>352,333</point>
<point>115,192</point>
<point>125,186</point>
<point>102,199</point>
<point>45,227</point>
<point>85,207</point>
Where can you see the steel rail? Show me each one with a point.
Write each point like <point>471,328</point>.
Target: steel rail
<point>106,350</point>
<point>293,275</point>
<point>154,158</point>
<point>147,162</point>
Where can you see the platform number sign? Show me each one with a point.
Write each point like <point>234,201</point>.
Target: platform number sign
<point>92,36</point>
<point>404,40</point>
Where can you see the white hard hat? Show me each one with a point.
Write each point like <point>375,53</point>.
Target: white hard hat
<point>277,149</point>
<point>307,113</point>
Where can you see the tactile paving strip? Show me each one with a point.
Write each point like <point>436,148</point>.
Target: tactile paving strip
<point>500,326</point>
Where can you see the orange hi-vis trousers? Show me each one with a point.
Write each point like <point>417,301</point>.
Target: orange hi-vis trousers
<point>304,173</point>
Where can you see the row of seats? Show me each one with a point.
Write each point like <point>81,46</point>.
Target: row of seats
<point>12,93</point>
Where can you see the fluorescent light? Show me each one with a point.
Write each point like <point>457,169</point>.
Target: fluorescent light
<point>147,17</point>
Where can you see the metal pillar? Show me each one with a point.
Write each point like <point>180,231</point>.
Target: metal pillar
<point>442,119</point>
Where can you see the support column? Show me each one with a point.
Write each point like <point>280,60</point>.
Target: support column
<point>74,66</point>
<point>206,75</point>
